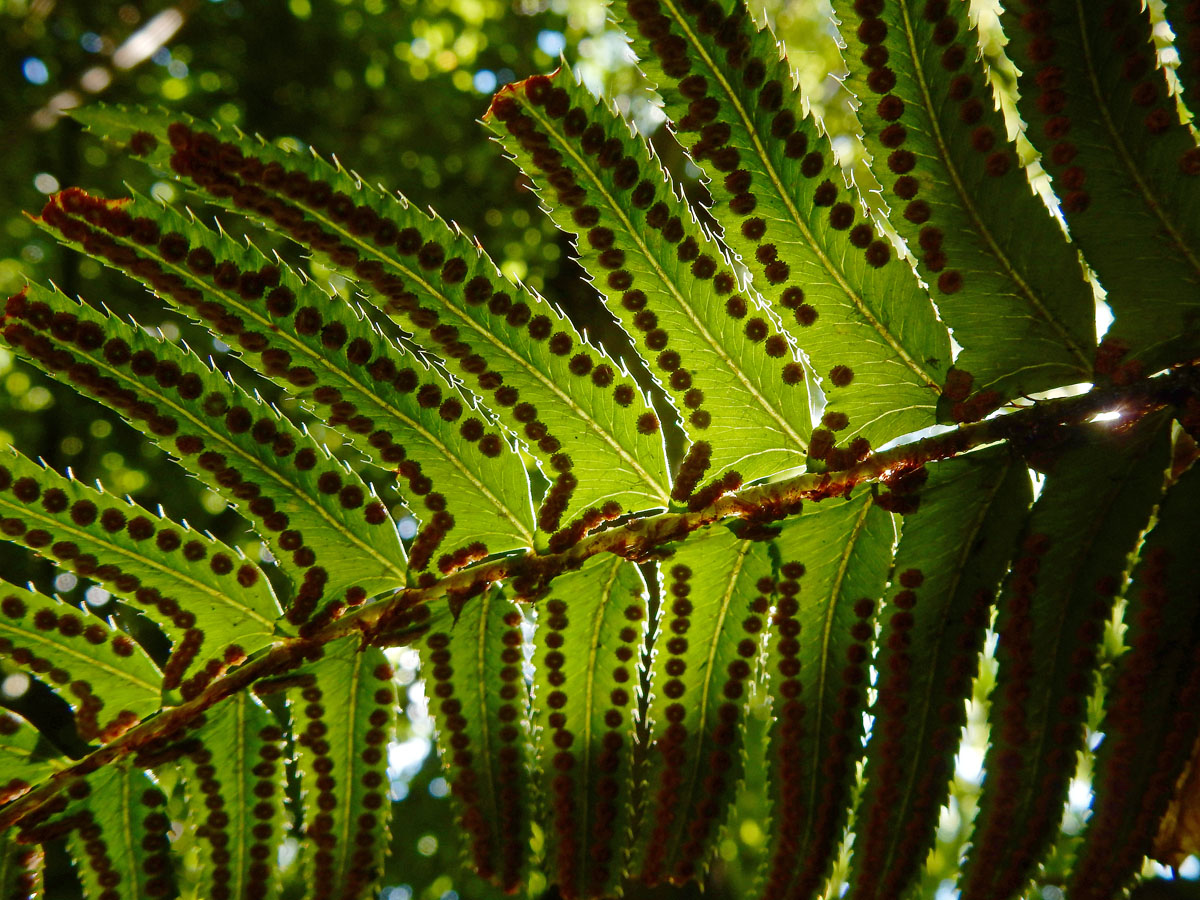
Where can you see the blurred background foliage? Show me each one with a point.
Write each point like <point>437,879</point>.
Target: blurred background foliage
<point>395,88</point>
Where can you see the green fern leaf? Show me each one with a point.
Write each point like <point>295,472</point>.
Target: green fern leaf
<point>213,605</point>
<point>591,630</point>
<point>834,563</point>
<point>107,678</point>
<point>309,512</point>
<point>1127,171</point>
<point>25,759</point>
<point>715,605</point>
<point>345,718</point>
<point>317,346</point>
<point>953,552</point>
<point>1151,723</point>
<point>728,369</point>
<point>20,871</point>
<point>119,838</point>
<point>855,308</point>
<point>1184,19</point>
<point>1007,282</point>
<point>1096,500</point>
<point>479,703</point>
<point>234,790</point>
<point>405,259</point>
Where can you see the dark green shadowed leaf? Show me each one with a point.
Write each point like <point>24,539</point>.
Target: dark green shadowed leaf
<point>235,799</point>
<point>716,597</point>
<point>119,842</point>
<point>500,338</point>
<point>106,677</point>
<point>20,871</point>
<point>310,512</point>
<point>25,760</point>
<point>590,634</point>
<point>401,414</point>
<point>1096,500</point>
<point>853,305</point>
<point>344,719</point>
<point>479,703</point>
<point>730,371</point>
<point>212,603</point>
<point>1126,171</point>
<point>834,561</point>
<point>952,554</point>
<point>1003,275</point>
<point>1151,721</point>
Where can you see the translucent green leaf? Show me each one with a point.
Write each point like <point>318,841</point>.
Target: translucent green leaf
<point>395,409</point>
<point>1126,170</point>
<point>591,630</point>
<point>854,306</point>
<point>313,513</point>
<point>107,678</point>
<point>1151,722</point>
<point>206,598</point>
<point>441,286</point>
<point>20,871</point>
<point>1094,505</point>
<point>953,552</point>
<point>834,561</point>
<point>234,792</point>
<point>479,704</point>
<point>119,842</point>
<point>1004,276</point>
<point>25,759</point>
<point>722,358</point>
<point>344,720</point>
<point>709,638</point>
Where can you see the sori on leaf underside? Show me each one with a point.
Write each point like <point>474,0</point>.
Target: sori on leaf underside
<point>600,609</point>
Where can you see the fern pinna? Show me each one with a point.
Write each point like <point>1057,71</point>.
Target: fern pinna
<point>807,495</point>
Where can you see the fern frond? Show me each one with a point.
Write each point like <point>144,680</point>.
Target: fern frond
<point>834,561</point>
<point>20,871</point>
<point>732,374</point>
<point>345,717</point>
<point>591,629</point>
<point>1005,278</point>
<point>25,759</point>
<point>479,702</point>
<point>119,835</point>
<point>715,604</point>
<point>234,793</point>
<point>1126,170</point>
<point>213,605</point>
<point>854,307</point>
<point>311,512</point>
<point>399,412</point>
<point>1094,505</point>
<point>953,552</point>
<point>107,678</point>
<point>449,293</point>
<point>1151,722</point>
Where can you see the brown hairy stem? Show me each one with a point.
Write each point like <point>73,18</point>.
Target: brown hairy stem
<point>1032,430</point>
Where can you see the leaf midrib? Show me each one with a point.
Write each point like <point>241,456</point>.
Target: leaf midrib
<point>971,207</point>
<point>122,674</point>
<point>798,222</point>
<point>352,784</point>
<point>667,282</point>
